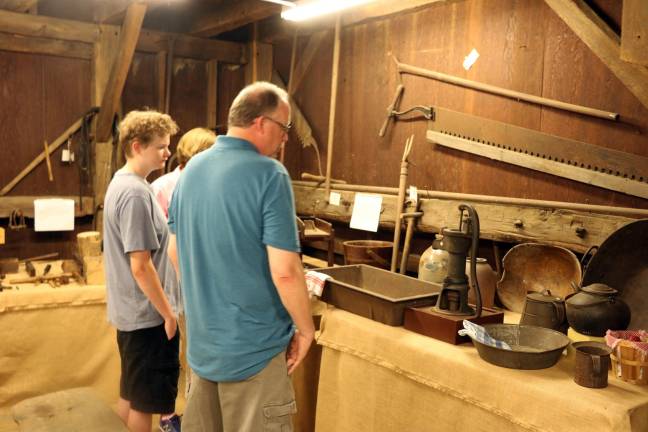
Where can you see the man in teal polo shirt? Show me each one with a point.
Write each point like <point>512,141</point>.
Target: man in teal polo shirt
<point>235,242</point>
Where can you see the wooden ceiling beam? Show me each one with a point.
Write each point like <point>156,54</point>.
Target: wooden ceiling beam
<point>18,5</point>
<point>634,32</point>
<point>382,9</point>
<point>13,23</point>
<point>47,27</point>
<point>233,16</point>
<point>114,11</point>
<point>577,15</point>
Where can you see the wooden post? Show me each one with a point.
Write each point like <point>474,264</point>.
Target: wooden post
<point>161,66</point>
<point>111,98</point>
<point>334,86</point>
<point>212,94</point>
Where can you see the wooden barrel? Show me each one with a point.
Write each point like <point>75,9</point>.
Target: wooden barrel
<point>371,252</point>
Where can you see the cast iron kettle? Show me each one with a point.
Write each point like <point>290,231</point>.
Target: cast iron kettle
<point>595,309</point>
<point>544,310</point>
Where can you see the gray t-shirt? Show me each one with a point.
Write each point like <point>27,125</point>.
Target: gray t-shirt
<point>133,221</point>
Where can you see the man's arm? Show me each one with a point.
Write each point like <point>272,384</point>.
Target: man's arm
<point>288,276</point>
<point>148,281</point>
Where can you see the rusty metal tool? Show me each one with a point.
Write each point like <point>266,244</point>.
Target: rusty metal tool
<point>575,160</point>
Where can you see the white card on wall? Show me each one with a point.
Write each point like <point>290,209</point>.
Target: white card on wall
<point>334,198</point>
<point>413,193</point>
<point>366,212</point>
<point>53,214</point>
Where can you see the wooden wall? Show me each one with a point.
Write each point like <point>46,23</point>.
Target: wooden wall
<point>523,46</point>
<point>42,95</point>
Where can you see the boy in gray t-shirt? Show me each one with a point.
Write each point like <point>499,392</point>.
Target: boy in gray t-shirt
<point>142,289</point>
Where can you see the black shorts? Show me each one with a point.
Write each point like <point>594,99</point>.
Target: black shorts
<point>150,369</point>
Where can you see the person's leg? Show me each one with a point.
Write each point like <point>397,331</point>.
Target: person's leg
<point>139,421</point>
<point>123,408</point>
<point>265,401</point>
<point>202,412</point>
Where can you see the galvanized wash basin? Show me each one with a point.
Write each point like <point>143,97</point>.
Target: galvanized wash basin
<point>375,293</point>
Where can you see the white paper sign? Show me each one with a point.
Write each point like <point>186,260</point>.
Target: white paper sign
<point>413,193</point>
<point>470,59</point>
<point>366,212</point>
<point>53,214</point>
<point>334,198</point>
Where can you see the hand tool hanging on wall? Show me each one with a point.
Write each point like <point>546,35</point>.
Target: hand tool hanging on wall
<point>575,160</point>
<point>390,109</point>
<point>41,156</point>
<point>413,70</point>
<point>401,200</point>
<point>50,176</point>
<point>17,220</point>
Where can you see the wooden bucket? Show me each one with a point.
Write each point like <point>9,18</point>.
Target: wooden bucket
<point>628,365</point>
<point>371,252</point>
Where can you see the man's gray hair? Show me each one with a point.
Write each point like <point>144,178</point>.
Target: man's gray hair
<point>255,100</point>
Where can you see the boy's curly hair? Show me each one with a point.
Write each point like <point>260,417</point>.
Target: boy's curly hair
<point>144,126</point>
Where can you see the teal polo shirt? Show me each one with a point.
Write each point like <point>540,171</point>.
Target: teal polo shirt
<point>229,204</point>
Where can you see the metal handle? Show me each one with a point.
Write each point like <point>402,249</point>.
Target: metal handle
<point>596,364</point>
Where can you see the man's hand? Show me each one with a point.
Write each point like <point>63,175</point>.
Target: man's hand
<point>170,327</point>
<point>297,350</point>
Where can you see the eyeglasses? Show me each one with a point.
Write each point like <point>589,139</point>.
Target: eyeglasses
<point>284,127</point>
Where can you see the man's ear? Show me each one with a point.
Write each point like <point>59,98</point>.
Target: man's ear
<point>258,124</point>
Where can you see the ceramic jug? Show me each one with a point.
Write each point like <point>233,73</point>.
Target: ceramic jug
<point>487,280</point>
<point>433,266</point>
<point>595,309</point>
<point>544,310</point>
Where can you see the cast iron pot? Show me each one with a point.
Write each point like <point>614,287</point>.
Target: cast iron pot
<point>595,309</point>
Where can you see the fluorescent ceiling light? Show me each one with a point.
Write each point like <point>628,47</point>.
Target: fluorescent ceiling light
<point>304,10</point>
<point>282,2</point>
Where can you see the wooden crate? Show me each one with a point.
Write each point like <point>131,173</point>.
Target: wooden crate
<point>629,364</point>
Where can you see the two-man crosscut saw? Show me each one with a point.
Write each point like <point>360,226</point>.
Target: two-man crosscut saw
<point>587,163</point>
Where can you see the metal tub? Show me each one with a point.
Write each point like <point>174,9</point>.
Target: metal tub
<point>375,293</point>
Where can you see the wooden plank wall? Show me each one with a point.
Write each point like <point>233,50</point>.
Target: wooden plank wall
<point>41,95</point>
<point>523,46</point>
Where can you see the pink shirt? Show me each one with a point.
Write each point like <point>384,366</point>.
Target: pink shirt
<point>163,189</point>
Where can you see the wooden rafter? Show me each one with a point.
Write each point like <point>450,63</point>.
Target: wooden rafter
<point>119,71</point>
<point>149,41</point>
<point>18,5</point>
<point>634,32</point>
<point>383,8</point>
<point>306,59</point>
<point>114,11</point>
<point>577,15</point>
<point>233,16</point>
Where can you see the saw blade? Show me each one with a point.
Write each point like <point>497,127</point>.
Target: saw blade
<point>576,160</point>
<point>538,144</point>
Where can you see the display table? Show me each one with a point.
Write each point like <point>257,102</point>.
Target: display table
<point>374,377</point>
<point>58,338</point>
<point>54,339</point>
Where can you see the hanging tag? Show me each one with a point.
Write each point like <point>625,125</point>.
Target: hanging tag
<point>413,194</point>
<point>334,198</point>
